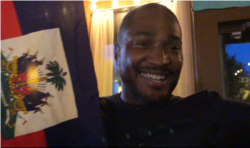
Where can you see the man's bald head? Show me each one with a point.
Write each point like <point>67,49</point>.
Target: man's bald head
<point>127,19</point>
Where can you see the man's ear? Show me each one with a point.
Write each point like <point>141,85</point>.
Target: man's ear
<point>117,53</point>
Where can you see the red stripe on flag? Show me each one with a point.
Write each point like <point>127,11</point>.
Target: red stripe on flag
<point>10,28</point>
<point>36,139</point>
<point>9,23</point>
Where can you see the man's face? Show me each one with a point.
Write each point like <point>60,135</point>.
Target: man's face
<point>150,57</point>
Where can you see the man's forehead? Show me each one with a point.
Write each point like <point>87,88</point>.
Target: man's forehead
<point>154,11</point>
<point>157,17</point>
<point>144,33</point>
<point>153,34</point>
<point>151,29</point>
<point>146,22</point>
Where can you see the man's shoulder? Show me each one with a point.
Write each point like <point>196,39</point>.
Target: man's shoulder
<point>228,117</point>
<point>109,104</point>
<point>224,106</point>
<point>109,100</point>
<point>213,97</point>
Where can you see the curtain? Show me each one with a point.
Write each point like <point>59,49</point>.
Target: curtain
<point>185,85</point>
<point>101,43</point>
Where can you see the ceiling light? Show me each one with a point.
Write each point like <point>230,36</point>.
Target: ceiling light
<point>93,5</point>
<point>137,2</point>
<point>115,4</point>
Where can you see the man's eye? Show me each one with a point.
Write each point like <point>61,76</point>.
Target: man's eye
<point>141,44</point>
<point>173,48</point>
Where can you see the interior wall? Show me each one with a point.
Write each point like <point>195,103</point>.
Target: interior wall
<point>202,5</point>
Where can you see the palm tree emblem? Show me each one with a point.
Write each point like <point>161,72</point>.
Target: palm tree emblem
<point>55,75</point>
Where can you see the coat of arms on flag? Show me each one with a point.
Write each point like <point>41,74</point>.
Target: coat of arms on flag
<point>36,89</point>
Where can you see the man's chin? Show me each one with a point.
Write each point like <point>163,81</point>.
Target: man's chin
<point>155,100</point>
<point>152,98</point>
<point>147,95</point>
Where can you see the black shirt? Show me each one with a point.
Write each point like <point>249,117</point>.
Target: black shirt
<point>203,119</point>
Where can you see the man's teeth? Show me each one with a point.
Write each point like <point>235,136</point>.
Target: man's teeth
<point>153,76</point>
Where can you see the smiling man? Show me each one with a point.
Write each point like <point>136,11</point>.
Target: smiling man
<point>145,113</point>
<point>149,55</point>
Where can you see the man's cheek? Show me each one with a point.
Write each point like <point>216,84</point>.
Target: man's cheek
<point>177,64</point>
<point>128,62</point>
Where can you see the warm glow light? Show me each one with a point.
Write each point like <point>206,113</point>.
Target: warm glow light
<point>119,89</point>
<point>241,70</point>
<point>115,4</point>
<point>93,5</point>
<point>137,2</point>
<point>238,71</point>
<point>235,74</point>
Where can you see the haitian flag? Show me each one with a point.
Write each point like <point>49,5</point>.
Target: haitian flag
<point>49,93</point>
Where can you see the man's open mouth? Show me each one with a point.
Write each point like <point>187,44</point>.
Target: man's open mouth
<point>158,78</point>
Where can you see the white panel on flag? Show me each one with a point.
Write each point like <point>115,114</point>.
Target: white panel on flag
<point>36,89</point>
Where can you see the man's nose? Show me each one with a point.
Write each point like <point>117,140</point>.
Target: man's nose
<point>157,56</point>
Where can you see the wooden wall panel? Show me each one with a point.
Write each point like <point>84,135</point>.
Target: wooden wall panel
<point>207,47</point>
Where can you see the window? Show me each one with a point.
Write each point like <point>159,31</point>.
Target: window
<point>235,43</point>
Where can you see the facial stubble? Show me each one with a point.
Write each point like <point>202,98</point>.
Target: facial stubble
<point>141,96</point>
